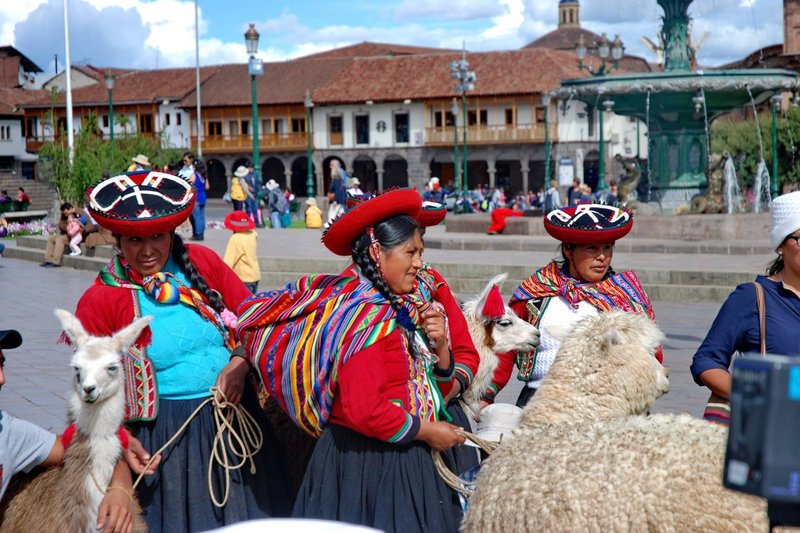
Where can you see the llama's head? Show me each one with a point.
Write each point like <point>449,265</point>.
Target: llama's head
<point>503,330</point>
<point>606,367</point>
<point>97,360</point>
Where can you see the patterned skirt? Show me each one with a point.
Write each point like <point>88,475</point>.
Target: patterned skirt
<point>176,497</point>
<point>357,479</point>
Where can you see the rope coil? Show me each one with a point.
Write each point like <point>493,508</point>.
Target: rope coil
<point>237,433</point>
<point>451,479</point>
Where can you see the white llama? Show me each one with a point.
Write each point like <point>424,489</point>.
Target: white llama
<point>67,497</point>
<point>493,335</point>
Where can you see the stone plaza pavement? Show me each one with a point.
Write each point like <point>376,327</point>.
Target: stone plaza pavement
<point>38,373</point>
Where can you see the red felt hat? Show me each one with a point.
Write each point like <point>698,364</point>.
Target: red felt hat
<point>239,221</point>
<point>431,214</point>
<point>588,224</point>
<point>141,203</point>
<point>344,230</point>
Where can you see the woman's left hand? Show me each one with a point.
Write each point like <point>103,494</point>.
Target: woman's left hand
<point>115,512</point>
<point>435,327</point>
<point>230,381</point>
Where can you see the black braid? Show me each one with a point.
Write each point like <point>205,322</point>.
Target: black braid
<point>181,256</point>
<point>364,261</point>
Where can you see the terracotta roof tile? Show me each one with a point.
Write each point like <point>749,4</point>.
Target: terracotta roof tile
<point>282,83</point>
<point>372,49</point>
<point>526,71</point>
<point>12,98</point>
<point>140,86</point>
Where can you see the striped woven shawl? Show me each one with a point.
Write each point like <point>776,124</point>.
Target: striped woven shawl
<point>298,337</point>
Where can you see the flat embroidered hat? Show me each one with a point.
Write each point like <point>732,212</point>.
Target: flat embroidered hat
<point>141,203</point>
<point>588,224</point>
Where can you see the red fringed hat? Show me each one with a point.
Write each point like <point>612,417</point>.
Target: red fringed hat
<point>344,230</point>
<point>588,224</point>
<point>431,214</point>
<point>239,221</point>
<point>494,307</point>
<point>141,203</point>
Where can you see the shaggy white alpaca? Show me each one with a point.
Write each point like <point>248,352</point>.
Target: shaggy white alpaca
<point>67,497</point>
<point>493,335</point>
<point>580,460</point>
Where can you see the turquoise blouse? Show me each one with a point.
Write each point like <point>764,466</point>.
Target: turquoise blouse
<point>187,351</point>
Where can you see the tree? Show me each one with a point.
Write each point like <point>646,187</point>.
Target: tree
<point>95,156</point>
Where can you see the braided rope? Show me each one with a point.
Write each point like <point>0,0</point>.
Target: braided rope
<point>452,480</point>
<point>243,443</point>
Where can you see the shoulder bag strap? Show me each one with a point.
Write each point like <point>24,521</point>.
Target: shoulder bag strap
<point>762,316</point>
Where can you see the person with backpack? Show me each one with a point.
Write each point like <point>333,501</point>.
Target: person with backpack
<point>552,198</point>
<point>276,203</point>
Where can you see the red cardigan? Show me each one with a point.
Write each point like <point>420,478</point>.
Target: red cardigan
<point>103,310</point>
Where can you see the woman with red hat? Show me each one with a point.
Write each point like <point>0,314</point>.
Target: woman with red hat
<point>565,291</point>
<point>354,359</point>
<point>189,348</point>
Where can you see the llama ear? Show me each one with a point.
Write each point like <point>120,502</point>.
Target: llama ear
<point>493,306</point>
<point>611,338</point>
<point>496,281</point>
<point>125,337</point>
<point>72,327</point>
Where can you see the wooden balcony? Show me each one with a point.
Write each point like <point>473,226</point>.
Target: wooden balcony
<point>270,142</point>
<point>522,133</point>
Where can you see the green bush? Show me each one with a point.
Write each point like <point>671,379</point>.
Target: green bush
<point>93,156</point>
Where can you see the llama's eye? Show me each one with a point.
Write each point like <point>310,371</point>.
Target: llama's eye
<point>112,368</point>
<point>504,323</point>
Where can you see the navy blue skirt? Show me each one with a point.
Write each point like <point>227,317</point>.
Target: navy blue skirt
<point>176,497</point>
<point>357,479</point>
<point>461,458</point>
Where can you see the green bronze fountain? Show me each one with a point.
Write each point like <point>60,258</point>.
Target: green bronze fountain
<point>678,104</point>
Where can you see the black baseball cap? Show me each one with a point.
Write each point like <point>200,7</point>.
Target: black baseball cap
<point>10,339</point>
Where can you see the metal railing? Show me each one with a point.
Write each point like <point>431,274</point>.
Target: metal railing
<point>522,133</point>
<point>245,142</point>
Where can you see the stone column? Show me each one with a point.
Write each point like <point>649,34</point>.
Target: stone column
<point>492,171</point>
<point>379,172</point>
<point>525,170</point>
<point>287,176</point>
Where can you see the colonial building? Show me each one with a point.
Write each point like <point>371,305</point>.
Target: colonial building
<point>15,90</point>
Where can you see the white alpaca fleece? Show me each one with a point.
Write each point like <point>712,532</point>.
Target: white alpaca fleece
<point>492,336</point>
<point>582,460</point>
<point>67,497</point>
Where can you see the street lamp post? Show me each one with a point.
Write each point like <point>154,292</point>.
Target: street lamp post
<point>604,49</point>
<point>601,178</point>
<point>459,71</point>
<point>110,86</point>
<point>255,67</point>
<point>546,103</point>
<point>457,176</point>
<point>308,103</point>
<point>776,101</point>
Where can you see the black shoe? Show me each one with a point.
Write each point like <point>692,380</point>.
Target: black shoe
<point>196,238</point>
<point>52,265</point>
<point>45,264</point>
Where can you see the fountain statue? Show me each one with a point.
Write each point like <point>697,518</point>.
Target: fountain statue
<point>629,181</point>
<point>712,201</point>
<point>677,105</point>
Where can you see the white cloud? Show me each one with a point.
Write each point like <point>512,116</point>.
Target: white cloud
<point>447,9</point>
<point>509,22</point>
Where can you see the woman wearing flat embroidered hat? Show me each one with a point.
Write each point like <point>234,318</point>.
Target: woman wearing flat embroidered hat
<point>565,291</point>
<point>367,346</point>
<point>737,326</point>
<point>188,348</point>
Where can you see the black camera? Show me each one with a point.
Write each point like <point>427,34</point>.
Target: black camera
<point>763,456</point>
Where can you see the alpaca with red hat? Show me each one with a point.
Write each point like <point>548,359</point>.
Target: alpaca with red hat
<point>355,360</point>
<point>580,284</point>
<point>241,253</point>
<point>188,354</point>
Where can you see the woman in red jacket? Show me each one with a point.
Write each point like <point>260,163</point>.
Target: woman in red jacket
<point>355,358</point>
<point>188,348</point>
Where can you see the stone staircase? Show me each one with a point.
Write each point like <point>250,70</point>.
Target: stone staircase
<point>43,197</point>
<point>464,279</point>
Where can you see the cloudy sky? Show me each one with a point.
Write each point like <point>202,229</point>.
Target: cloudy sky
<point>160,33</point>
